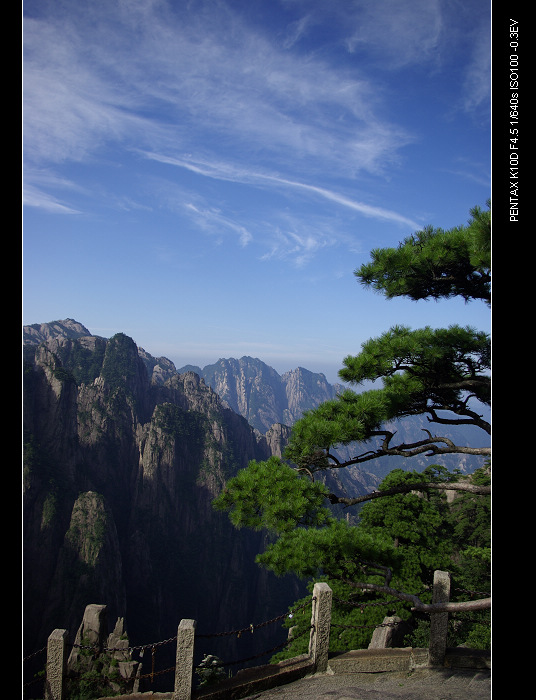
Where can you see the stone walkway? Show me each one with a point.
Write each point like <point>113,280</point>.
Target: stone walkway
<point>421,684</point>
<point>380,674</point>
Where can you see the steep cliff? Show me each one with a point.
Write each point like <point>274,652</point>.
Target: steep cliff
<point>264,397</point>
<point>120,471</point>
<point>123,457</point>
<point>267,399</point>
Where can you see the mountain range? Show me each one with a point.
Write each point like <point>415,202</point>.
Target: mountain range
<point>248,386</point>
<point>257,392</point>
<point>124,454</point>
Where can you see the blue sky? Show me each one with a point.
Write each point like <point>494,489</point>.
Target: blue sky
<point>206,175</point>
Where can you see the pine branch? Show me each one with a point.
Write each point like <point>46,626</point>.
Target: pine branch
<point>418,486</point>
<point>418,605</point>
<point>429,447</point>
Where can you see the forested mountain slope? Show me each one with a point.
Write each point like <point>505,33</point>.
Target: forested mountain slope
<point>119,477</point>
<point>123,457</point>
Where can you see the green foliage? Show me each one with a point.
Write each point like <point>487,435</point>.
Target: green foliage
<point>95,675</point>
<point>49,509</point>
<point>83,363</point>
<point>349,418</point>
<point>424,365</point>
<point>41,472</point>
<point>210,670</point>
<point>472,630</point>
<point>423,372</point>
<point>469,521</point>
<point>413,534</point>
<point>119,365</point>
<point>417,525</point>
<point>176,422</point>
<point>63,375</point>
<point>88,528</point>
<point>408,518</point>
<point>400,539</point>
<point>471,516</point>
<point>334,550</point>
<point>434,263</point>
<point>354,616</point>
<point>271,496</point>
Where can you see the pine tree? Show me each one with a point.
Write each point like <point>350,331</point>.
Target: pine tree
<point>406,529</point>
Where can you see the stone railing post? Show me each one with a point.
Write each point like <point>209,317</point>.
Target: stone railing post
<point>320,623</point>
<point>56,664</point>
<point>184,664</point>
<point>439,621</point>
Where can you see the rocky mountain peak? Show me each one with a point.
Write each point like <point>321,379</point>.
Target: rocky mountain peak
<point>40,332</point>
<point>119,476</point>
<point>256,391</point>
<point>123,457</point>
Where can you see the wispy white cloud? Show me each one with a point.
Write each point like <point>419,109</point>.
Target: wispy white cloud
<point>191,79</point>
<point>229,172</point>
<point>151,77</point>
<point>477,83</point>
<point>37,199</point>
<point>428,34</point>
<point>295,234</point>
<point>36,191</point>
<point>297,29</point>
<point>366,209</point>
<point>397,33</point>
<point>214,222</point>
<point>300,246</point>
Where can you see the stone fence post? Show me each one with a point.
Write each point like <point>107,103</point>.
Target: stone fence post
<point>439,621</point>
<point>56,664</point>
<point>320,623</point>
<point>184,664</point>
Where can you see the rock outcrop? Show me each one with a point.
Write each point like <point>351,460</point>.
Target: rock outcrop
<point>264,397</point>
<point>120,471</point>
<point>123,457</point>
<point>105,658</point>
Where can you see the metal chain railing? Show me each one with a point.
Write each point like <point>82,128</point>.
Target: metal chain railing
<point>264,653</point>
<point>251,628</point>
<point>97,649</point>
<point>238,633</point>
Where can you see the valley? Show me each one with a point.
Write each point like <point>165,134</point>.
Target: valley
<point>123,457</point>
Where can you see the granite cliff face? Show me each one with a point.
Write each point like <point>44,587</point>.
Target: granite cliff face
<point>272,403</point>
<point>120,470</point>
<point>123,457</point>
<point>257,392</point>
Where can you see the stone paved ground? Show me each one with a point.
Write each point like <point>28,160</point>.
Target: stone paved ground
<point>421,684</point>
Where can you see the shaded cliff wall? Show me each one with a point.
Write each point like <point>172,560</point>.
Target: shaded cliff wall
<point>119,477</point>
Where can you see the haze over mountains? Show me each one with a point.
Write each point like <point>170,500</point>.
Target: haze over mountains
<point>250,387</point>
<point>266,398</point>
<point>123,457</point>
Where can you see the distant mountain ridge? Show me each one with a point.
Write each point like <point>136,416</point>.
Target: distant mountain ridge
<point>40,332</point>
<point>124,455</point>
<point>248,385</point>
<point>265,398</point>
<point>119,474</point>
